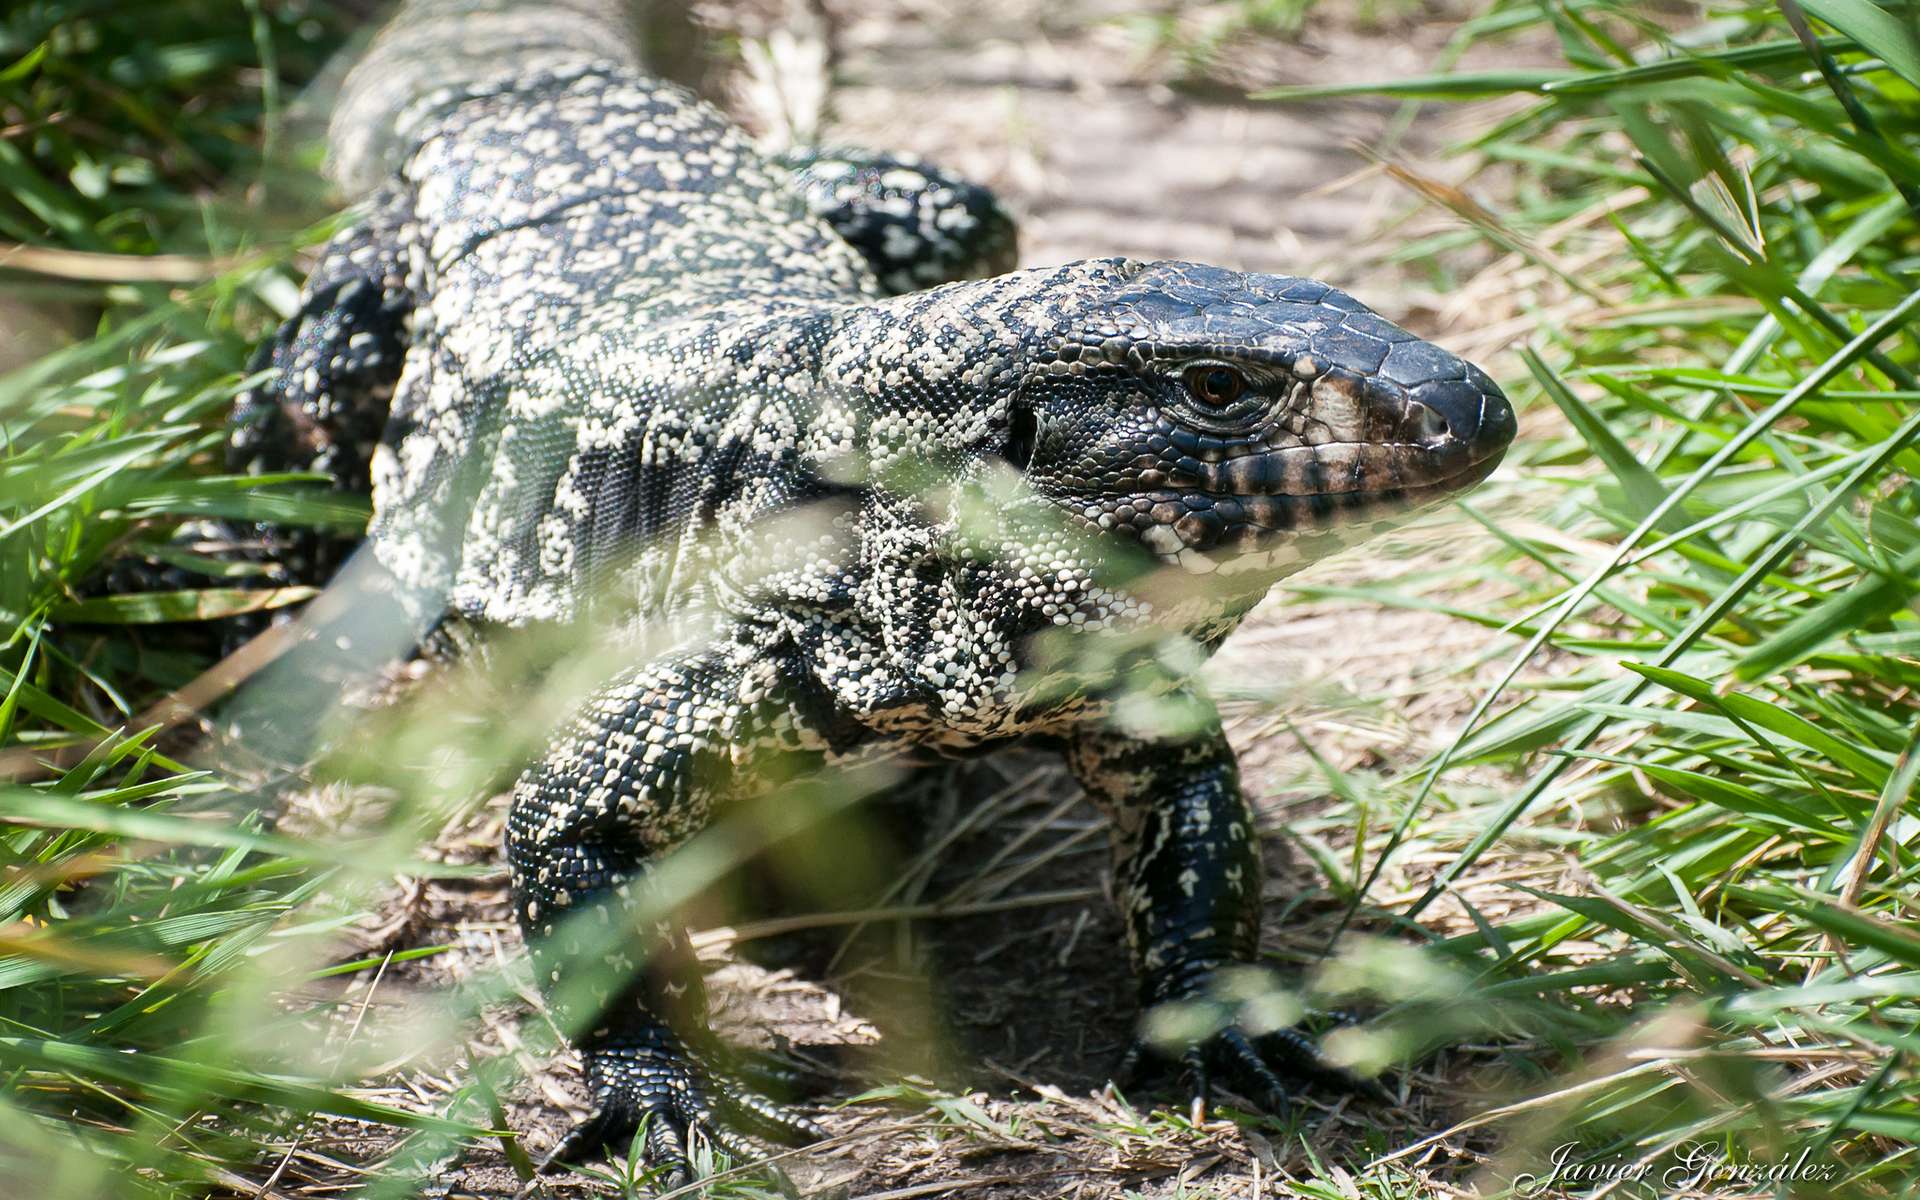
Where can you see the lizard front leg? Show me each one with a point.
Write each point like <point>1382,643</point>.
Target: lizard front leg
<point>640,769</point>
<point>1187,873</point>
<point>320,405</point>
<point>329,375</point>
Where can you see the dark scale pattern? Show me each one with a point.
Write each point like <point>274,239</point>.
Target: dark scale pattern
<point>649,374</point>
<point>915,225</point>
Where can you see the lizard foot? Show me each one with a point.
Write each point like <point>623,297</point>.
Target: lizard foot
<point>654,1088</point>
<point>1258,1063</point>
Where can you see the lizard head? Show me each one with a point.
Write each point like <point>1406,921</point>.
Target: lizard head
<point>1244,423</point>
<point>991,441</point>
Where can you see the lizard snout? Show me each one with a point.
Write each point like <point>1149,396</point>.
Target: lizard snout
<point>1448,406</point>
<point>1469,417</point>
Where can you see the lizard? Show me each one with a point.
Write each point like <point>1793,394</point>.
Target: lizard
<point>594,354</point>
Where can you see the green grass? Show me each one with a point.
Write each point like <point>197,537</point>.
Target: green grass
<point>151,929</point>
<point>1723,437</point>
<point>1198,35</point>
<point>1733,363</point>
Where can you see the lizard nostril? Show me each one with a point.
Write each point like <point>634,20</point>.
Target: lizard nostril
<point>1453,409</point>
<point>1429,425</point>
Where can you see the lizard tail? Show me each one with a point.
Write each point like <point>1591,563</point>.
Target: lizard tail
<point>435,52</point>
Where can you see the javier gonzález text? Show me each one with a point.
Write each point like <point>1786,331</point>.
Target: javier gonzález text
<point>1692,1167</point>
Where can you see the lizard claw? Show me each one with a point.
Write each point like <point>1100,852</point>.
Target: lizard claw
<point>765,1118</point>
<point>656,1090</point>
<point>1259,1066</point>
<point>786,1070</point>
<point>1301,1058</point>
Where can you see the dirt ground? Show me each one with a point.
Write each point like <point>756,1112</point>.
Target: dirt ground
<point>1017,996</point>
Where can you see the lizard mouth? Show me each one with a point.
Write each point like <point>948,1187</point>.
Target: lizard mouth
<point>1207,530</point>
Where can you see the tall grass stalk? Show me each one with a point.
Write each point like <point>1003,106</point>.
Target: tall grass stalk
<point>1736,757</point>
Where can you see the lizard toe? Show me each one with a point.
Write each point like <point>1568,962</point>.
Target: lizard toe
<point>787,1071</point>
<point>1249,1071</point>
<point>674,1103</point>
<point>750,1111</point>
<point>1293,1053</point>
<point>609,1124</point>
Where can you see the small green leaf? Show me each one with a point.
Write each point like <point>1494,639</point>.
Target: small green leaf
<point>1841,614</point>
<point>1897,944</point>
<point>1895,39</point>
<point>160,608</point>
<point>1725,793</point>
<point>164,1075</point>
<point>23,66</point>
<point>1463,85</point>
<point>1771,717</point>
<point>1644,490</point>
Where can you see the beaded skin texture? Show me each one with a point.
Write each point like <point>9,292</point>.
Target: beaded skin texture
<point>601,359</point>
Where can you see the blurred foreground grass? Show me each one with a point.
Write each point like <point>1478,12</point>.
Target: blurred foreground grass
<point>150,932</point>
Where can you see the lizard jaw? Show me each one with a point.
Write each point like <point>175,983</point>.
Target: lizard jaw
<point>1281,552</point>
<point>1206,531</point>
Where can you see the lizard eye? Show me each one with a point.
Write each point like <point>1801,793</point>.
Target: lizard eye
<point>1214,385</point>
<point>1020,442</point>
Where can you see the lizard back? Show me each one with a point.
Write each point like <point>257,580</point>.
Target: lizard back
<point>614,282</point>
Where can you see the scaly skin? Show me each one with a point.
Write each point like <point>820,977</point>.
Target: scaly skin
<point>645,381</point>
